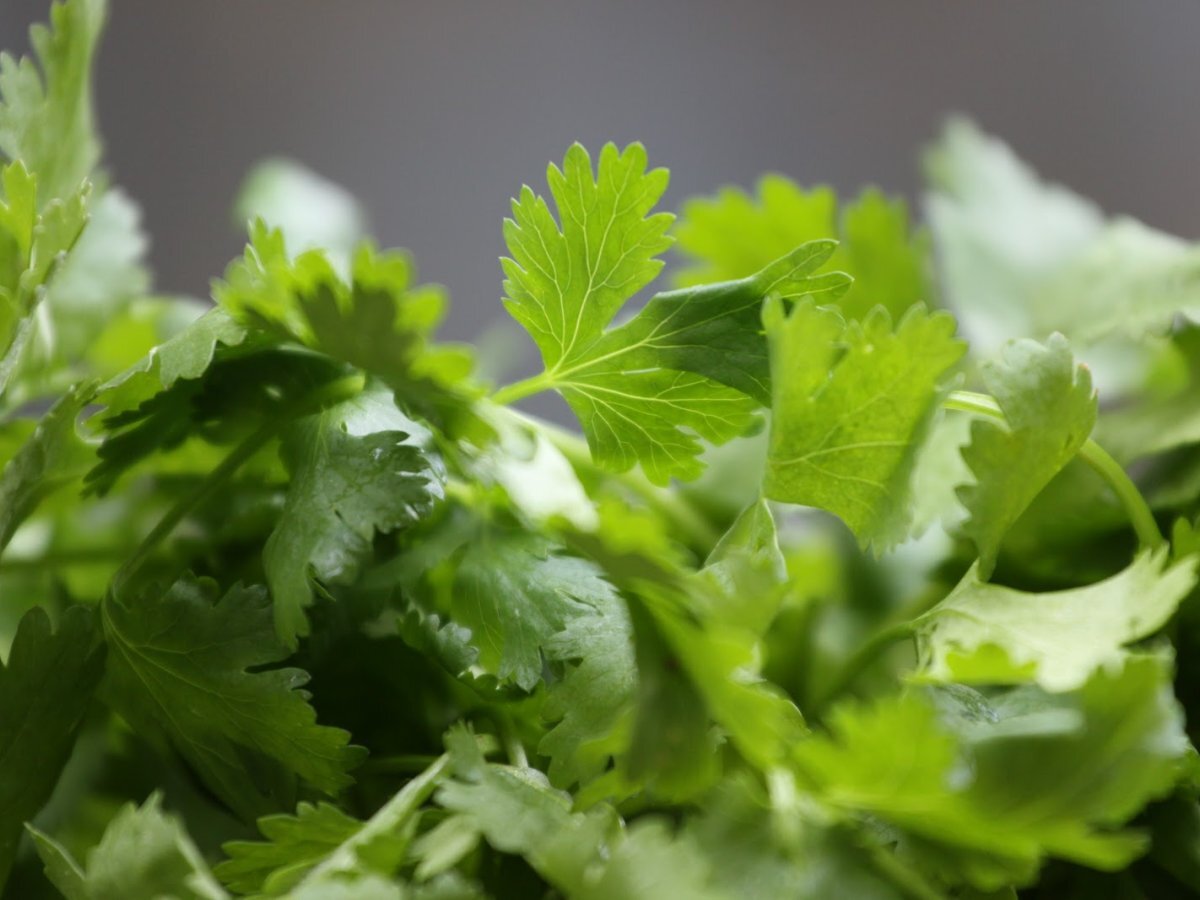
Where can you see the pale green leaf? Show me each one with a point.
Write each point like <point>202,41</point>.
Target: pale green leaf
<point>1049,409</point>
<point>46,115</point>
<point>312,212</point>
<point>987,634</point>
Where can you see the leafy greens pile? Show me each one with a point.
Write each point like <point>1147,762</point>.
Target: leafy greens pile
<point>822,603</point>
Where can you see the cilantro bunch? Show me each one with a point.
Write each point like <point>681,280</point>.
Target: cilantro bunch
<point>857,582</point>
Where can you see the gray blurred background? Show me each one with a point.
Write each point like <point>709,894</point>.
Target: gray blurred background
<point>434,113</point>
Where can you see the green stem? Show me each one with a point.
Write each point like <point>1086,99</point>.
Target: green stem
<point>332,392</point>
<point>63,559</point>
<point>519,390</point>
<point>1140,515</point>
<point>194,498</point>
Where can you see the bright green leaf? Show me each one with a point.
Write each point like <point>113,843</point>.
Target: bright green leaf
<point>733,235</point>
<point>853,403</point>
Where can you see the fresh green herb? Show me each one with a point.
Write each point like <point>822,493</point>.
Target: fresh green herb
<point>829,598</point>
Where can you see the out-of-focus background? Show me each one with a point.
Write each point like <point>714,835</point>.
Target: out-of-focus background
<point>434,113</point>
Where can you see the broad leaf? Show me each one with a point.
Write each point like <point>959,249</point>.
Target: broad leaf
<point>1049,409</point>
<point>1037,775</point>
<point>180,664</point>
<point>357,468</point>
<point>853,403</point>
<point>987,634</point>
<point>46,115</point>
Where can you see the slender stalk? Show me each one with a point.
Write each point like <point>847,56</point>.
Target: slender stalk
<point>527,387</point>
<point>1140,515</point>
<point>63,559</point>
<point>329,393</point>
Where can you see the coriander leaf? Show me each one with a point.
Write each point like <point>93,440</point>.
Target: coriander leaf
<point>294,845</point>
<point>593,701</point>
<point>241,393</point>
<point>568,279</point>
<point>144,853</point>
<point>311,211</point>
<point>983,633</point>
<point>1000,232</point>
<point>762,846</point>
<point>1037,775</point>
<point>1050,408</point>
<point>641,417</point>
<point>515,590</point>
<point>715,330</point>
<point>722,662</point>
<point>583,854</point>
<point>376,848</point>
<point>1022,258</point>
<point>179,665</point>
<point>46,116</point>
<point>687,365</point>
<point>853,403</point>
<point>185,356</point>
<point>1130,280</point>
<point>519,813</point>
<point>50,458</point>
<point>96,282</point>
<point>357,468</point>
<point>653,863</point>
<point>733,235</point>
<point>748,570</point>
<point>375,320</point>
<point>32,244</point>
<point>46,686</point>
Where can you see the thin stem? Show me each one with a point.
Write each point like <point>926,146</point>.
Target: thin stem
<point>1140,515</point>
<point>519,390</point>
<point>63,559</point>
<point>194,498</point>
<point>332,392</point>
